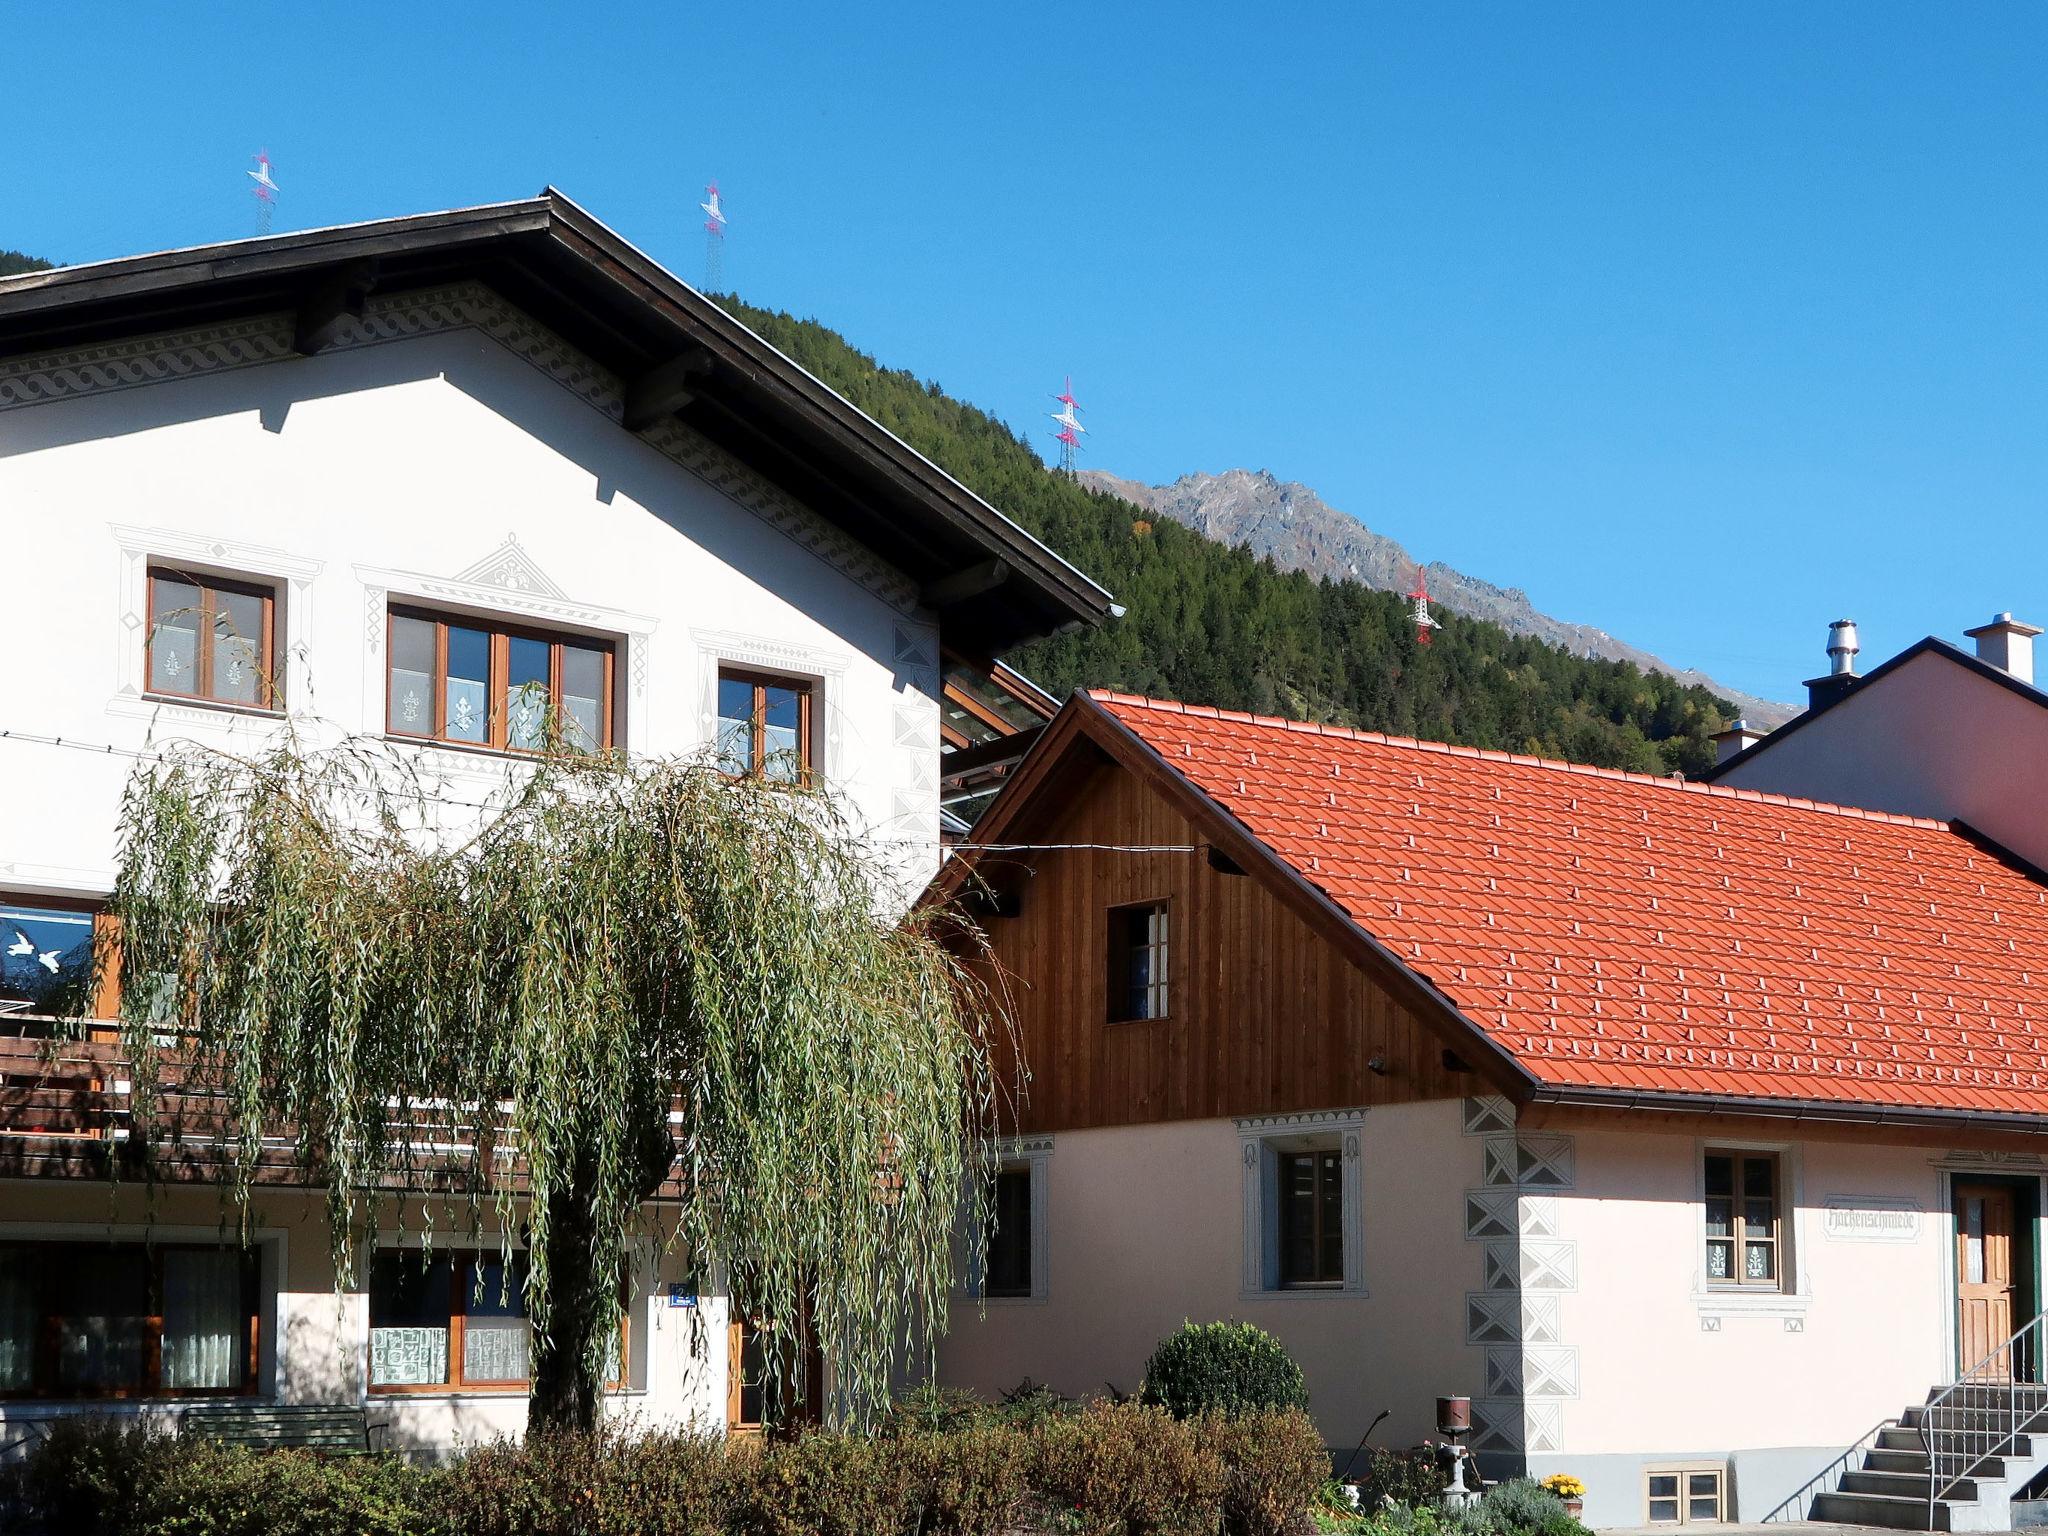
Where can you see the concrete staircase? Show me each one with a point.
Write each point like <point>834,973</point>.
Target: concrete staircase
<point>1983,1464</point>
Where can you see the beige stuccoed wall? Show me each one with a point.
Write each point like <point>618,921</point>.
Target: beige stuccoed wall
<point>1866,1332</point>
<point>316,1339</point>
<point>1144,1230</point>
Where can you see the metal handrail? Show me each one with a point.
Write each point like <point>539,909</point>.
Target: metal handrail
<point>1960,1433</point>
<point>1798,1507</point>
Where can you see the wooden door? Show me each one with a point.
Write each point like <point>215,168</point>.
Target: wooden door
<point>1985,1281</point>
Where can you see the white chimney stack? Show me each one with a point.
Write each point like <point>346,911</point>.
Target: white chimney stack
<point>2007,644</point>
<point>1739,737</point>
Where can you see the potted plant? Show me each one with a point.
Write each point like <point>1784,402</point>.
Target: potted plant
<point>1570,1489</point>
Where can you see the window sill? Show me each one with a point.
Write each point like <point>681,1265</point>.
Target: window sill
<point>1307,1293</point>
<point>1739,1302</point>
<point>1163,1018</point>
<point>970,1299</point>
<point>393,1395</point>
<point>213,706</point>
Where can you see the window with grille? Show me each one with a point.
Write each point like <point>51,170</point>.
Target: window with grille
<point>1683,1496</point>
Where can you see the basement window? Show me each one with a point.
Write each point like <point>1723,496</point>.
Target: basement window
<point>1683,1495</point>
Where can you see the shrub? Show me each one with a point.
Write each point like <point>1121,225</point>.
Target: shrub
<point>1275,1464</point>
<point>215,1490</point>
<point>933,1409</point>
<point>608,1483</point>
<point>1222,1368</point>
<point>971,1482</point>
<point>85,1474</point>
<point>1031,1403</point>
<point>1129,1469</point>
<point>826,1485</point>
<point>1407,1478</point>
<point>1523,1508</point>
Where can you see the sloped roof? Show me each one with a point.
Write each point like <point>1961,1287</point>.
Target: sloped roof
<point>676,353</point>
<point>1612,934</point>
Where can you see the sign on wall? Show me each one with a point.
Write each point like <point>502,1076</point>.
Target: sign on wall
<point>1871,1219</point>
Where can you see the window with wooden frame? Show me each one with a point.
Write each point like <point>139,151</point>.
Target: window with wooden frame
<point>484,684</point>
<point>454,1321</point>
<point>1744,1220</point>
<point>105,1320</point>
<point>1311,1217</point>
<point>213,639</point>
<point>1138,960</point>
<point>765,726</point>
<point>1683,1495</point>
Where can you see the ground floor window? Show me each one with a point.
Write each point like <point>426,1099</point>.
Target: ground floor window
<point>1683,1495</point>
<point>445,1320</point>
<point>1304,1208</point>
<point>118,1320</point>
<point>1743,1191</point>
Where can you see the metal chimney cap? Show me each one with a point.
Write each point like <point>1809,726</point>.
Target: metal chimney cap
<point>1842,647</point>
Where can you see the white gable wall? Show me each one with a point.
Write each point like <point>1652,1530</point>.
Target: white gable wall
<point>1931,739</point>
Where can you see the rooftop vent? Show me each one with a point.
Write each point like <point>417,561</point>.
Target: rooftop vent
<point>2007,644</point>
<point>1841,674</point>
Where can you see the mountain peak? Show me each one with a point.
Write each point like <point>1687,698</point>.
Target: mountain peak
<point>1289,523</point>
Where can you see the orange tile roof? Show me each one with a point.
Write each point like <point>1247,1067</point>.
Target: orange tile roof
<point>1612,930</point>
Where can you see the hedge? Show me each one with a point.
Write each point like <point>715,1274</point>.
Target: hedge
<point>1099,1469</point>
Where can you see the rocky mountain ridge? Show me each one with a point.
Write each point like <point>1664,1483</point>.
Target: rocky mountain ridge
<point>1300,531</point>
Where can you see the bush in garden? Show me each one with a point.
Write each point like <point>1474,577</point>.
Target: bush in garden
<point>1275,1465</point>
<point>1407,1478</point>
<point>971,1482</point>
<point>85,1473</point>
<point>932,1409</point>
<point>826,1485</point>
<point>1129,1469</point>
<point>1225,1368</point>
<point>607,1483</point>
<point>216,1490</point>
<point>1523,1508</point>
<point>1030,1403</point>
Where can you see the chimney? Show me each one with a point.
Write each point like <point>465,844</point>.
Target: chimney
<point>1841,674</point>
<point>1739,737</point>
<point>2007,644</point>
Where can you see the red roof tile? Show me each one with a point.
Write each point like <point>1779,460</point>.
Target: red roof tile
<point>1615,930</point>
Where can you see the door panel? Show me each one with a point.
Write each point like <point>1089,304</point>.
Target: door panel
<point>1985,1277</point>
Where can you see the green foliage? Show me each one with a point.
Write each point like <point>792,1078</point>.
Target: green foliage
<point>1276,1464</point>
<point>1224,1368</point>
<point>1130,1469</point>
<point>14,263</point>
<point>366,971</point>
<point>1111,1469</point>
<point>1032,1402</point>
<point>1516,1508</point>
<point>1403,1477</point>
<point>1524,1508</point>
<point>1215,624</point>
<point>605,1483</point>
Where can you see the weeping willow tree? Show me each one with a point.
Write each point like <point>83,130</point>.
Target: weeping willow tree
<point>609,984</point>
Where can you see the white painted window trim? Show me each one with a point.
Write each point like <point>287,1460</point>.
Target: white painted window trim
<point>824,671</point>
<point>291,574</point>
<point>1261,1140</point>
<point>1034,1153</point>
<point>1796,1299</point>
<point>273,1248</point>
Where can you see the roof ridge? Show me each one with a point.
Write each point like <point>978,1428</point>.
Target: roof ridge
<point>1522,759</point>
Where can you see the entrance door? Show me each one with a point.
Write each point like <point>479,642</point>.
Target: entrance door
<point>1985,1277</point>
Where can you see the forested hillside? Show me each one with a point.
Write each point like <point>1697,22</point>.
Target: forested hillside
<point>1216,625</point>
<point>12,262</point>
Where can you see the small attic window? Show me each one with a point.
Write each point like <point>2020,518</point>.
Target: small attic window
<point>1138,962</point>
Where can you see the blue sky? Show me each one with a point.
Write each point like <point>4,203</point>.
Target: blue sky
<point>1703,323</point>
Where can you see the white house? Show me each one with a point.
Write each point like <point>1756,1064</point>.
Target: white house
<point>1697,1134</point>
<point>374,479</point>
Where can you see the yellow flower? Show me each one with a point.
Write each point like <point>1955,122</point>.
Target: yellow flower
<point>1565,1486</point>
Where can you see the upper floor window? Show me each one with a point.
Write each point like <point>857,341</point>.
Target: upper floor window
<point>1743,1246</point>
<point>46,958</point>
<point>764,727</point>
<point>488,685</point>
<point>1137,962</point>
<point>213,639</point>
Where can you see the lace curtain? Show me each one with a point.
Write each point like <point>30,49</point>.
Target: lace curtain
<point>203,1318</point>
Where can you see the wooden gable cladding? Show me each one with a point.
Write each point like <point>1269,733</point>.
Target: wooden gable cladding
<point>1264,1015</point>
